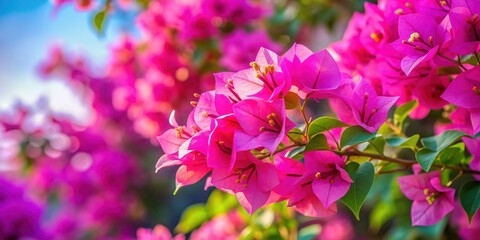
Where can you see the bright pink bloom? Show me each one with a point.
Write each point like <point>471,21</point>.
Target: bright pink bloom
<point>370,111</point>
<point>330,181</point>
<point>420,39</point>
<point>464,91</point>
<point>264,124</point>
<point>431,200</point>
<point>251,180</point>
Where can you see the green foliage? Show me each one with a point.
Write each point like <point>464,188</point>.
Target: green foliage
<point>192,218</point>
<point>355,135</point>
<point>319,142</point>
<point>362,176</point>
<point>323,124</point>
<point>434,146</point>
<point>401,113</point>
<point>470,198</point>
<point>400,142</point>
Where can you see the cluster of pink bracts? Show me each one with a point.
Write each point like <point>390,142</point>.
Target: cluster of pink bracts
<point>239,133</point>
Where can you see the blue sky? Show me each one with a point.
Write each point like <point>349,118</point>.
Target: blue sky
<point>27,29</point>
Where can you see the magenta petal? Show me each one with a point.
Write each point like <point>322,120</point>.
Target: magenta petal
<point>475,118</point>
<point>166,161</point>
<point>298,51</point>
<point>320,71</point>
<point>312,207</point>
<point>169,141</point>
<point>252,198</point>
<point>266,57</point>
<point>461,90</point>
<point>187,175</point>
<point>424,214</point>
<point>252,114</point>
<point>246,83</point>
<point>267,176</point>
<point>409,63</point>
<point>413,186</point>
<point>329,192</point>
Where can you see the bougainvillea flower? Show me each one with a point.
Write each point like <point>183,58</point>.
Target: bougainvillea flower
<point>263,124</point>
<point>420,39</point>
<point>311,71</point>
<point>464,91</point>
<point>465,26</point>
<point>431,200</point>
<point>330,181</point>
<point>370,111</point>
<point>264,80</point>
<point>252,180</point>
<point>221,150</point>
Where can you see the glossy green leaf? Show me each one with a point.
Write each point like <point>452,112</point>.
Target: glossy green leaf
<point>362,176</point>
<point>453,155</point>
<point>376,146</point>
<point>410,143</point>
<point>323,124</point>
<point>99,20</point>
<point>354,135</point>
<point>434,146</point>
<point>192,218</point>
<point>425,157</point>
<point>443,140</point>
<point>470,198</point>
<point>319,142</point>
<point>402,112</point>
<point>296,153</point>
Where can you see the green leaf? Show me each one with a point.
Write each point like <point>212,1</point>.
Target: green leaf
<point>291,100</point>
<point>470,198</point>
<point>192,218</point>
<point>402,112</point>
<point>443,140</point>
<point>354,135</point>
<point>376,145</point>
<point>319,142</point>
<point>362,176</point>
<point>410,143</point>
<point>323,124</point>
<point>296,153</point>
<point>453,155</point>
<point>434,146</point>
<point>219,202</point>
<point>99,20</point>
<point>425,157</point>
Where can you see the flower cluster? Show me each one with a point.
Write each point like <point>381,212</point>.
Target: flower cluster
<point>241,135</point>
<point>413,49</point>
<point>74,165</point>
<point>181,45</point>
<point>20,216</point>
